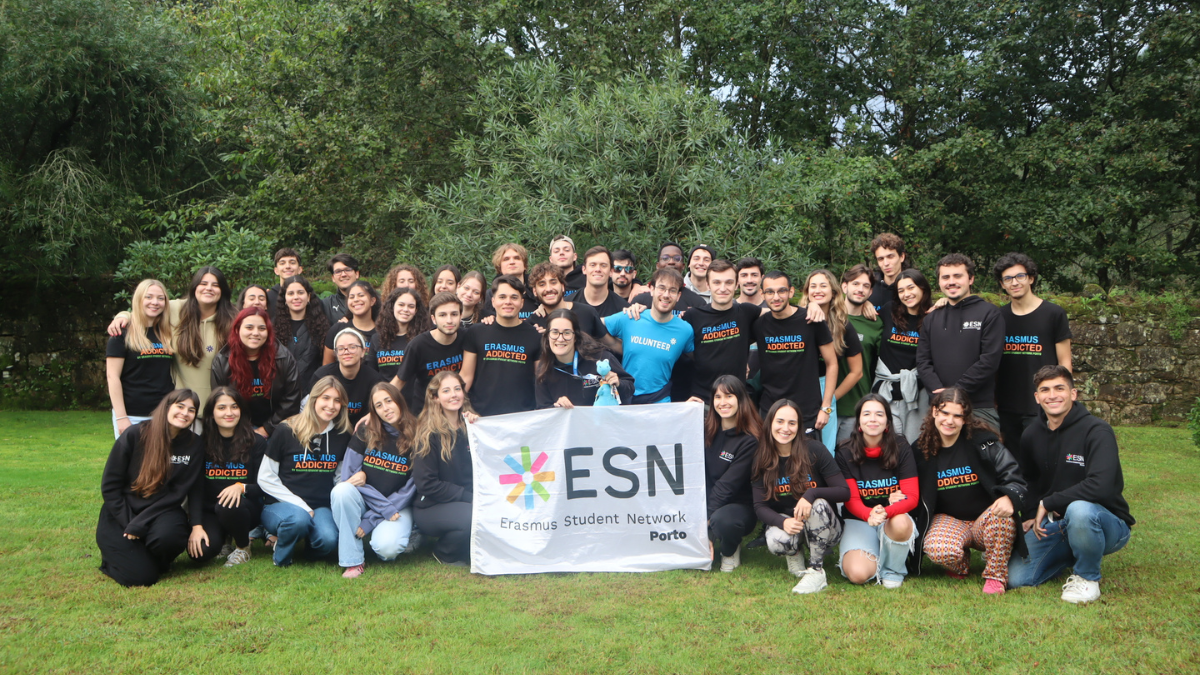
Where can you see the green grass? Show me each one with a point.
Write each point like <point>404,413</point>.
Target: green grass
<point>59,614</point>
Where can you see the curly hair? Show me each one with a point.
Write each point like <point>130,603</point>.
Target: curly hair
<point>930,440</point>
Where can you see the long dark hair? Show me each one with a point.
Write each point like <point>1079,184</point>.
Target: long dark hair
<point>366,285</point>
<point>241,301</point>
<point>900,313</point>
<point>769,466</point>
<point>154,439</point>
<point>747,421</point>
<point>889,455</point>
<point>239,364</point>
<point>314,314</point>
<point>189,343</point>
<point>587,347</point>
<point>243,434</point>
<point>388,328</point>
<point>373,432</point>
<point>930,440</point>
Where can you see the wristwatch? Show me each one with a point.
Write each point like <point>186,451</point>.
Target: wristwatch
<point>827,411</point>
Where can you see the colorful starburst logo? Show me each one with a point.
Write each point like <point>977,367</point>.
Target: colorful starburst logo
<point>527,478</point>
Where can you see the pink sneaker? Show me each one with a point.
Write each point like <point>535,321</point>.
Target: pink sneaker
<point>993,587</point>
<point>356,571</point>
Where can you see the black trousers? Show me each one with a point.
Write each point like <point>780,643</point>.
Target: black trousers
<point>1012,425</point>
<point>451,524</point>
<point>729,525</point>
<point>224,522</point>
<point>140,562</point>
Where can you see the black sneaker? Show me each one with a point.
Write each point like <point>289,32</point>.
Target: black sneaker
<point>757,542</point>
<point>456,563</point>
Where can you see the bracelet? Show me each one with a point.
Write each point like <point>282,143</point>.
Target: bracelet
<point>122,418</point>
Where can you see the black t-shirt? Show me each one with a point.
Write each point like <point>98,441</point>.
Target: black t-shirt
<point>687,300</point>
<point>824,473</point>
<point>589,320</point>
<point>259,403</point>
<point>1029,344</point>
<point>788,352</point>
<point>504,367</point>
<point>898,345</point>
<point>220,475</point>
<point>145,374</point>
<point>387,469</point>
<point>308,474</point>
<point>611,305</point>
<point>424,358</point>
<point>875,483</point>
<point>369,335</point>
<point>959,493</point>
<point>881,294</point>
<point>358,390</point>
<point>722,342</point>
<point>853,348</point>
<point>389,357</point>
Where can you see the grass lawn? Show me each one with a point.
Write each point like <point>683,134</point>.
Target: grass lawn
<point>59,614</point>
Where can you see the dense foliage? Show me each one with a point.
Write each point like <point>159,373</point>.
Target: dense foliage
<point>430,131</point>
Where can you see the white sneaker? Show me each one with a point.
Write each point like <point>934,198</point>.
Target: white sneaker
<point>239,556</point>
<point>1078,590</point>
<point>812,582</point>
<point>796,564</point>
<point>730,563</point>
<point>893,582</point>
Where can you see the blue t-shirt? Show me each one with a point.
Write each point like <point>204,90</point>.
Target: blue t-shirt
<point>650,348</point>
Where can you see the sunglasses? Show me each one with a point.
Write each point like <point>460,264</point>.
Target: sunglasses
<point>627,269</point>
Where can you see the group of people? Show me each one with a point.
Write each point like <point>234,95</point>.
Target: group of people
<point>851,412</point>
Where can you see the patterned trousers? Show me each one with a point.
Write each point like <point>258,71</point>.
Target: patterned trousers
<point>822,532</point>
<point>948,539</point>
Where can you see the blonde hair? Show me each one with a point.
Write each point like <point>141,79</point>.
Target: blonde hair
<point>836,315</point>
<point>511,246</point>
<point>434,420</point>
<point>305,425</point>
<point>135,336</point>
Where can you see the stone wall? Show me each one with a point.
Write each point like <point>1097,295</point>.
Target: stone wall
<point>1137,366</point>
<point>1136,362</point>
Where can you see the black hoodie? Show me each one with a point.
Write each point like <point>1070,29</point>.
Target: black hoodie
<point>1077,461</point>
<point>727,463</point>
<point>968,341</point>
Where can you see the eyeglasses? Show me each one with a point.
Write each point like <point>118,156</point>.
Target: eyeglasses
<point>342,270</point>
<point>348,349</point>
<point>669,291</point>
<point>670,258</point>
<point>556,334</point>
<point>627,269</point>
<point>1016,277</point>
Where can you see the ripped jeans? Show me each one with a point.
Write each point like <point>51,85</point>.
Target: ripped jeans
<point>822,532</point>
<point>889,555</point>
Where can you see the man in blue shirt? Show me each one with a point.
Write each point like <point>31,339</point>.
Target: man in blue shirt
<point>651,347</point>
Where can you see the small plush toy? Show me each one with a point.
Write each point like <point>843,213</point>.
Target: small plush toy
<point>607,393</point>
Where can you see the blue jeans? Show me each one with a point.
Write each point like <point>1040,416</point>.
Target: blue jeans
<point>1086,533</point>
<point>290,523</point>
<point>829,432</point>
<point>388,539</point>
<point>889,556</point>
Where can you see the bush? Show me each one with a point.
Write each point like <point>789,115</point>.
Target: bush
<point>244,256</point>
<point>1194,422</point>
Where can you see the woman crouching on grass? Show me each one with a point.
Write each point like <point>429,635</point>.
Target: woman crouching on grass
<point>297,474</point>
<point>882,476</point>
<point>373,500</point>
<point>226,501</point>
<point>795,485</point>
<point>150,470</point>
<point>731,431</point>
<point>442,469</point>
<point>969,483</point>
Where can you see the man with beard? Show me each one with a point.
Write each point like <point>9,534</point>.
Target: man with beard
<point>598,293</point>
<point>749,279</point>
<point>856,285</point>
<point>670,256</point>
<point>624,275</point>
<point>547,281</point>
<point>961,344</point>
